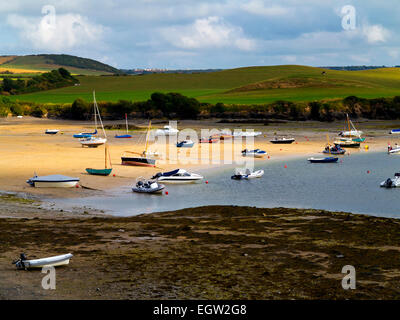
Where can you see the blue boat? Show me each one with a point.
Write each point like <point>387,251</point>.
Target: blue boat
<point>323,160</point>
<point>123,136</point>
<point>85,134</point>
<point>334,150</point>
<point>394,131</point>
<point>185,144</point>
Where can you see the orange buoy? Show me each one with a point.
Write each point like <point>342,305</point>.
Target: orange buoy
<point>285,166</point>
<point>206,181</point>
<point>368,171</point>
<point>166,192</point>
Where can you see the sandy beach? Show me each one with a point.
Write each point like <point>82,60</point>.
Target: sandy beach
<point>26,149</point>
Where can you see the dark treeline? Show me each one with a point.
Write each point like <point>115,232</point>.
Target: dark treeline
<point>46,81</point>
<point>177,106</point>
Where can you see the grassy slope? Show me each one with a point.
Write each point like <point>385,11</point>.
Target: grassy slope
<point>220,86</point>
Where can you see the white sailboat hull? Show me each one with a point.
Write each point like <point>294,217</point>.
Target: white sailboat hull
<point>68,184</point>
<point>94,142</point>
<point>55,261</point>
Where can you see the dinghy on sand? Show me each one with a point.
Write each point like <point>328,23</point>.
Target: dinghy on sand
<point>53,181</point>
<point>23,263</point>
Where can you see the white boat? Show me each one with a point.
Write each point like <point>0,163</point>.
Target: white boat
<point>256,153</point>
<point>246,133</point>
<point>51,131</point>
<point>56,261</point>
<point>147,186</point>
<point>92,141</point>
<point>177,176</point>
<point>166,131</point>
<point>395,150</point>
<point>53,181</point>
<point>352,132</point>
<point>185,144</point>
<point>247,174</point>
<point>392,182</point>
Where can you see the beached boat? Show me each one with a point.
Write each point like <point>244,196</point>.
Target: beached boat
<point>177,176</point>
<point>145,159</point>
<point>334,150</point>
<point>53,181</point>
<point>391,182</point>
<point>246,133</point>
<point>352,133</point>
<point>185,144</point>
<point>166,131</point>
<point>93,141</point>
<point>102,172</point>
<point>85,134</point>
<point>208,140</point>
<point>256,153</point>
<point>323,160</point>
<point>282,140</point>
<point>247,174</point>
<point>394,131</point>
<point>23,263</point>
<point>346,143</point>
<point>124,136</point>
<point>51,131</point>
<point>148,186</point>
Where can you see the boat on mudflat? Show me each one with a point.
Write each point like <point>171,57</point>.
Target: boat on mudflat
<point>256,153</point>
<point>185,144</point>
<point>23,263</point>
<point>282,140</point>
<point>51,131</point>
<point>85,134</point>
<point>394,131</point>
<point>53,181</point>
<point>208,140</point>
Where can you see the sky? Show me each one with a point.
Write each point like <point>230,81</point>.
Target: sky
<point>201,34</point>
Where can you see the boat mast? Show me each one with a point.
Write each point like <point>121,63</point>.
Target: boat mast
<point>126,122</point>
<point>98,112</point>
<point>147,137</point>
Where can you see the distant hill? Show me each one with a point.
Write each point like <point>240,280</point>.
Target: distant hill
<point>48,62</point>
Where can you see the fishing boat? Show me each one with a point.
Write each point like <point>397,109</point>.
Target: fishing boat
<point>334,150</point>
<point>177,176</point>
<point>53,181</point>
<point>51,131</point>
<point>124,136</point>
<point>394,131</point>
<point>23,263</point>
<point>346,143</point>
<point>92,141</point>
<point>85,134</point>
<point>282,140</point>
<point>102,172</point>
<point>247,174</point>
<point>185,144</point>
<point>148,186</point>
<point>352,132</point>
<point>391,182</point>
<point>256,153</point>
<point>166,131</point>
<point>145,159</point>
<point>323,160</point>
<point>208,140</point>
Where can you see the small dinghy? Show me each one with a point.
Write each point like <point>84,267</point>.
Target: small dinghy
<point>167,131</point>
<point>391,182</point>
<point>177,176</point>
<point>394,131</point>
<point>247,174</point>
<point>256,153</point>
<point>23,263</point>
<point>247,133</point>
<point>334,150</point>
<point>208,140</point>
<point>85,134</point>
<point>51,131</point>
<point>323,160</point>
<point>282,140</point>
<point>92,142</point>
<point>347,143</point>
<point>53,181</point>
<point>185,144</point>
<point>148,186</point>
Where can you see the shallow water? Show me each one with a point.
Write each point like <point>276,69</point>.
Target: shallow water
<point>343,186</point>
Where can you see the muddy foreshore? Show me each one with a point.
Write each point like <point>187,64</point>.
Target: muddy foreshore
<point>217,252</point>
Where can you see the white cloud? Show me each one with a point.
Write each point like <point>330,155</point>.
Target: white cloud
<point>211,32</point>
<point>66,31</point>
<point>375,33</point>
<point>258,7</point>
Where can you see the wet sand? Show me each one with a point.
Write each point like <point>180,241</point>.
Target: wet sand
<point>26,149</point>
<point>200,253</point>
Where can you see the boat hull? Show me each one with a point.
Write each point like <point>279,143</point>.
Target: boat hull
<point>56,261</point>
<point>287,141</point>
<point>323,160</point>
<point>124,136</point>
<point>99,172</point>
<point>138,161</point>
<point>62,184</point>
<point>93,143</point>
<point>179,180</point>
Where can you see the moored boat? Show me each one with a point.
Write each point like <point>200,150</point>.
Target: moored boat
<point>337,149</point>
<point>208,140</point>
<point>127,135</point>
<point>282,140</point>
<point>102,172</point>
<point>346,143</point>
<point>85,134</point>
<point>167,131</point>
<point>51,131</point>
<point>53,181</point>
<point>247,174</point>
<point>185,144</point>
<point>23,263</point>
<point>177,176</point>
<point>148,186</point>
<point>92,142</point>
<point>394,131</point>
<point>391,182</point>
<point>256,153</point>
<point>323,160</point>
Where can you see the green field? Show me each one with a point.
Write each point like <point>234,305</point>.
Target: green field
<point>251,85</point>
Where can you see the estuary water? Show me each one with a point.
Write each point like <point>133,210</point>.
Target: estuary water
<point>351,185</point>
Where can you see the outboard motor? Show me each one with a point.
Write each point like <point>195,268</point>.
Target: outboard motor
<point>20,262</point>
<point>157,175</point>
<point>388,183</point>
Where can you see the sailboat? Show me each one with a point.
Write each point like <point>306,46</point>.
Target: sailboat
<point>124,135</point>
<point>102,172</point>
<point>92,141</point>
<point>352,134</point>
<point>143,159</point>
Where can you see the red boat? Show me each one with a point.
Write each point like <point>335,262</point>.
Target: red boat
<point>208,140</point>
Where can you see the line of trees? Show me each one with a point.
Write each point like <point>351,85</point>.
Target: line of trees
<point>177,106</point>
